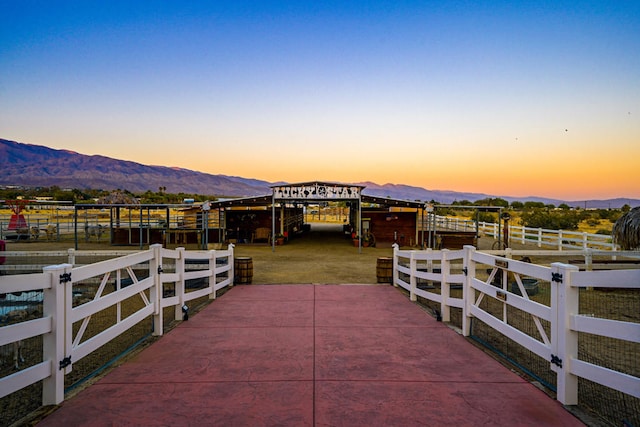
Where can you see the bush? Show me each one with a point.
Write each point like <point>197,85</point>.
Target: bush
<point>487,217</point>
<point>553,220</point>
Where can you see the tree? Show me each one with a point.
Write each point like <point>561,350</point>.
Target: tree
<point>553,220</point>
<point>487,217</point>
<point>492,201</point>
<point>531,205</point>
<point>517,205</point>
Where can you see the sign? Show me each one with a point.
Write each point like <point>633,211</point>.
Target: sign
<point>316,191</point>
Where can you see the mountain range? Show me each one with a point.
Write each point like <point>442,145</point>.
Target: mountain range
<point>39,166</point>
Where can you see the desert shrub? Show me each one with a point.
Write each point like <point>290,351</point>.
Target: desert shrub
<point>487,217</point>
<point>533,205</point>
<point>554,220</point>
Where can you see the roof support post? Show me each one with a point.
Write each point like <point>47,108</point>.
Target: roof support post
<point>359,224</point>
<point>273,223</point>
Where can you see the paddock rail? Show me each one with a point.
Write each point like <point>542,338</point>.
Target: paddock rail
<point>72,295</point>
<point>556,327</point>
<point>541,237</point>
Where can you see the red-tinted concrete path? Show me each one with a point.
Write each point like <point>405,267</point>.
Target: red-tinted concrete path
<point>332,355</point>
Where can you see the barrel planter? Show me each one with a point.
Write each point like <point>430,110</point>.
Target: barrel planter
<point>384,270</point>
<point>243,270</point>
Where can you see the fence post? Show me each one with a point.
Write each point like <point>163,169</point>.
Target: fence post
<point>179,286</point>
<point>508,253</point>
<point>412,278</point>
<point>395,264</point>
<point>156,291</point>
<point>230,260</point>
<point>468,293</point>
<point>445,269</point>
<point>71,256</point>
<point>53,343</point>
<point>564,341</point>
<point>539,237</point>
<point>588,259</point>
<point>559,240</point>
<point>212,269</point>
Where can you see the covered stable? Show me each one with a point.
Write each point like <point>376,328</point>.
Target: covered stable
<point>380,220</point>
<point>265,219</point>
<point>143,224</point>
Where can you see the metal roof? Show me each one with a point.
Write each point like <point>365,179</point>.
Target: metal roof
<point>245,201</point>
<point>327,183</point>
<point>386,201</point>
<point>266,200</point>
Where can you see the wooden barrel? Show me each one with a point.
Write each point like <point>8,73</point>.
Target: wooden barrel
<point>384,270</point>
<point>243,270</point>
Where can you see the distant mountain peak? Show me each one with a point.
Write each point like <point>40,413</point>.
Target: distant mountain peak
<point>39,166</point>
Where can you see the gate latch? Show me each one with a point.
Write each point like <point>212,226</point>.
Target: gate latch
<point>65,362</point>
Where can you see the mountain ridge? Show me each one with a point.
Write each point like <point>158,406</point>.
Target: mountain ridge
<point>40,166</point>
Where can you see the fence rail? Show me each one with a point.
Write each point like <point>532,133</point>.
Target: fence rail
<point>542,237</point>
<point>72,295</point>
<point>493,289</point>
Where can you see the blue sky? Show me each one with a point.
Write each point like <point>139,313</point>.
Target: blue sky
<point>506,98</point>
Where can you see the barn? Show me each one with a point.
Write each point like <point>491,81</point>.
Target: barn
<point>369,219</point>
<point>269,219</point>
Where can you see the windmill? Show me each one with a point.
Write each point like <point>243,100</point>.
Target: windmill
<point>17,220</point>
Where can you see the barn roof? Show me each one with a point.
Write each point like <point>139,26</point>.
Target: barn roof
<point>315,191</point>
<point>326,183</point>
<point>266,200</point>
<point>387,201</point>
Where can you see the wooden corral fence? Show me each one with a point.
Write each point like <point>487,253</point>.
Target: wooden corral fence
<point>554,330</point>
<point>71,295</point>
<point>542,237</point>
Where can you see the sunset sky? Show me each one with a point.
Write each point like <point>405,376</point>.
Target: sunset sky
<point>505,98</point>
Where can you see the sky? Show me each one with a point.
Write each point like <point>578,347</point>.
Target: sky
<point>504,98</point>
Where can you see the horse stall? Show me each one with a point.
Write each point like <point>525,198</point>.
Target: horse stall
<point>446,239</point>
<point>391,225</point>
<point>194,225</point>
<point>254,224</point>
<point>141,225</point>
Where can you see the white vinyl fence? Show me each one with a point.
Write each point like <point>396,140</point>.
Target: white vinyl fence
<point>557,325</point>
<point>542,237</point>
<point>140,275</point>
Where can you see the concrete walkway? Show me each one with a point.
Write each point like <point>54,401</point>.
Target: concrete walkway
<point>311,355</point>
